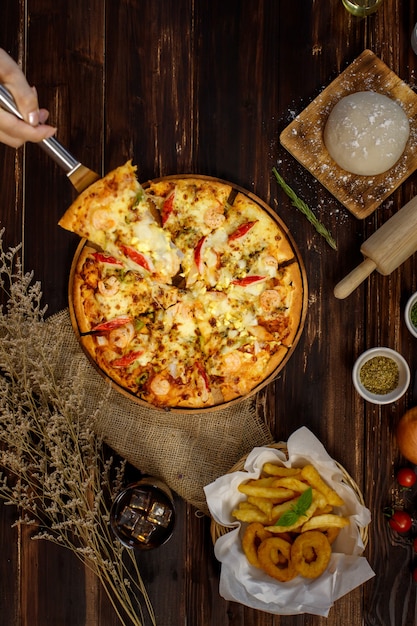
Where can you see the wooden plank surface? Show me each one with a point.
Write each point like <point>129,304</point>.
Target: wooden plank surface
<point>199,86</point>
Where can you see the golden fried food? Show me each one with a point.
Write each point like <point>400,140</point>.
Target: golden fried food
<point>292,521</point>
<point>291,482</point>
<point>253,536</point>
<point>281,508</point>
<point>317,522</point>
<point>279,470</point>
<point>277,528</point>
<point>311,475</point>
<point>264,504</point>
<point>278,493</point>
<point>274,555</point>
<point>250,514</point>
<point>331,533</point>
<point>310,554</point>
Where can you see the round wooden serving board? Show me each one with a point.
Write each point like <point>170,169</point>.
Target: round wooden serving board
<point>303,309</point>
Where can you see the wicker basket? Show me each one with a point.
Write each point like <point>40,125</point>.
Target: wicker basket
<point>217,530</point>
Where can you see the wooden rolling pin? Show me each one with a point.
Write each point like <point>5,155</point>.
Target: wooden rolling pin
<point>392,244</point>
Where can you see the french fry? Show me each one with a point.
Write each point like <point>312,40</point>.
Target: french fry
<point>319,499</point>
<point>326,509</point>
<point>279,470</point>
<point>280,493</point>
<point>280,508</point>
<point>267,481</point>
<point>245,504</point>
<point>264,504</point>
<point>301,520</point>
<point>310,474</point>
<point>250,515</point>
<point>291,483</point>
<point>329,520</point>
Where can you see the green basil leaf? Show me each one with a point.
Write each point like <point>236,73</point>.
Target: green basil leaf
<point>287,519</point>
<point>304,501</point>
<point>298,509</point>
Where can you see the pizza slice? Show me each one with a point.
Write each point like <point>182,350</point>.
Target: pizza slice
<point>117,215</point>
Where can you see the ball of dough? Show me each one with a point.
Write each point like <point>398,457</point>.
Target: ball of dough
<point>366,133</point>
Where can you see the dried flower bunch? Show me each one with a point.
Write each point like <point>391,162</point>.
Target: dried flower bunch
<point>55,470</point>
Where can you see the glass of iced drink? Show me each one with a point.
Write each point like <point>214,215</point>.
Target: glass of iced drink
<point>142,516</point>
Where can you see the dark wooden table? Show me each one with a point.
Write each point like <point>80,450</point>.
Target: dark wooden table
<point>206,86</point>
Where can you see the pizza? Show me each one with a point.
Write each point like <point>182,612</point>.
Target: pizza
<point>185,291</point>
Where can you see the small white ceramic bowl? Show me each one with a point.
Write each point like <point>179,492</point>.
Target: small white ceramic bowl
<point>403,378</point>
<point>407,314</point>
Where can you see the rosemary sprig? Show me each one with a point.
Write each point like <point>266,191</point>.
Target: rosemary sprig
<point>305,209</point>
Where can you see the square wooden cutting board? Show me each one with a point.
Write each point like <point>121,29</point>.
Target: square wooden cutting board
<point>303,137</point>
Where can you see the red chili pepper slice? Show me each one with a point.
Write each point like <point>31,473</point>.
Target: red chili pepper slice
<point>117,322</point>
<point>248,280</point>
<point>104,258</point>
<point>167,208</point>
<point>203,374</point>
<point>127,359</point>
<point>136,257</point>
<point>197,253</point>
<point>241,230</point>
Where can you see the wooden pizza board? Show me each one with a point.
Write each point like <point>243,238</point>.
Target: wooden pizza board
<point>289,351</point>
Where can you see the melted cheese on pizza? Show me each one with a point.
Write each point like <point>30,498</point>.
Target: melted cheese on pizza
<point>117,215</point>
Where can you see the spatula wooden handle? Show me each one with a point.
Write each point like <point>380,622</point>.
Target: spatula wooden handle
<point>348,284</point>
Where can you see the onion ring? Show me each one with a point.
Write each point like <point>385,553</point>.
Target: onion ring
<point>310,553</point>
<point>254,534</point>
<point>274,555</point>
<point>331,533</point>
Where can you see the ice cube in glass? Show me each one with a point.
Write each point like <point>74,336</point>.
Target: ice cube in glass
<point>143,530</point>
<point>140,499</point>
<point>128,518</point>
<point>160,514</point>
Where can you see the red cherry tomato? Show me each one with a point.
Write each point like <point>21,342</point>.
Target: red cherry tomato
<point>400,521</point>
<point>406,477</point>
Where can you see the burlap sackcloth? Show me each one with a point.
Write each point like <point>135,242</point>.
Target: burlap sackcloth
<point>187,451</point>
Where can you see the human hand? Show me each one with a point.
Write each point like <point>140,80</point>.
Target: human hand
<point>13,131</point>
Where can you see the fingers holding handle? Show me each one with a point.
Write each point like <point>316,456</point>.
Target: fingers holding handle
<point>13,131</point>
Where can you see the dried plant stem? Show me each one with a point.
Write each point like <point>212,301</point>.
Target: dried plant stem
<point>55,469</point>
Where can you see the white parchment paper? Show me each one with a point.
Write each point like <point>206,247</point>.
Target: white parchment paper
<point>241,582</point>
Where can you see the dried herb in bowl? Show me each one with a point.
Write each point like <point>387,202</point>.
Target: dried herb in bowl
<point>379,375</point>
